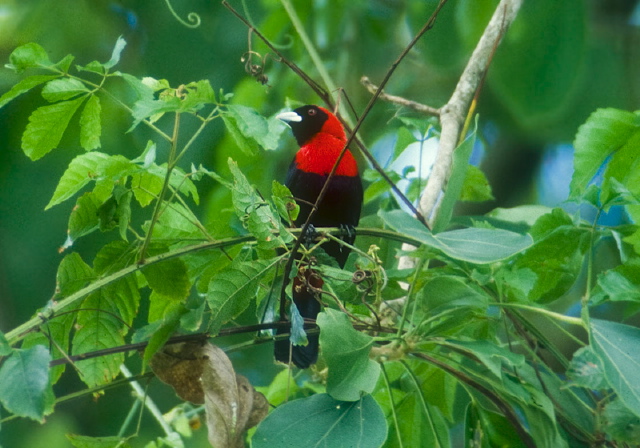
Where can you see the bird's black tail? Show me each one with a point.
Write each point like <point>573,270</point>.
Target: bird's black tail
<point>308,307</point>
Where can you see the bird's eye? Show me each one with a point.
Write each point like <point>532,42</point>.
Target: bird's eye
<point>312,112</point>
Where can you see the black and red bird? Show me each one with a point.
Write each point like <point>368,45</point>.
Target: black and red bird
<point>321,138</point>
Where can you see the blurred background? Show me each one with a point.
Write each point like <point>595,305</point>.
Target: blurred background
<point>560,61</point>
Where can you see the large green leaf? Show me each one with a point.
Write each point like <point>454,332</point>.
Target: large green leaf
<point>233,288</point>
<point>475,245</point>
<point>321,421</point>
<point>73,274</point>
<point>617,345</point>
<point>25,389</point>
<point>101,325</point>
<point>46,126</point>
<point>28,56</point>
<point>346,351</point>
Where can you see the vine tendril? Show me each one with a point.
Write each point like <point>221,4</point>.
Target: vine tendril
<point>193,19</point>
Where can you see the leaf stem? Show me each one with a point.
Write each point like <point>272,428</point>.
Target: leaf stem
<point>393,406</point>
<point>548,313</point>
<point>171,161</point>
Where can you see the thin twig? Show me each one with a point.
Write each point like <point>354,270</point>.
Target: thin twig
<point>400,101</point>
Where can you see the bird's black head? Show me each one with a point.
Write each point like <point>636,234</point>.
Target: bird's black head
<point>305,122</point>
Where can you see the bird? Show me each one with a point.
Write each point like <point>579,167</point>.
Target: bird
<point>321,138</point>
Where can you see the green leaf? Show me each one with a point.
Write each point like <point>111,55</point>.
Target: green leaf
<point>404,138</point>
<point>524,214</point>
<point>90,126</point>
<point>101,325</point>
<point>92,67</point>
<point>586,369</point>
<point>287,207</point>
<point>476,187</point>
<point>322,421</point>
<point>621,424</point>
<point>46,126</point>
<point>604,132</point>
<point>73,275</point>
<point>489,354</point>
<point>28,56</point>
<point>251,130</point>
<point>197,95</point>
<point>621,178</point>
<point>556,260</point>
<point>82,170</point>
<point>233,288</point>
<point>445,292</point>
<point>115,54</point>
<point>346,351</point>
<point>255,213</point>
<point>63,89</point>
<point>456,181</point>
<point>65,63</point>
<point>168,278</point>
<point>25,389</point>
<point>84,216</point>
<point>617,284</point>
<point>23,86</point>
<point>617,345</point>
<point>474,245</point>
<point>297,335</point>
<point>146,107</point>
<point>97,442</point>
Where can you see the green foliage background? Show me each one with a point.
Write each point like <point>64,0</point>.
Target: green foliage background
<point>560,61</point>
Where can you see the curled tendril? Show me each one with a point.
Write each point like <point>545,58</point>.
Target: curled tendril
<point>193,19</point>
<point>255,70</point>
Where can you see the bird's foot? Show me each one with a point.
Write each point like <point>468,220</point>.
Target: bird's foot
<point>348,233</point>
<point>310,236</point>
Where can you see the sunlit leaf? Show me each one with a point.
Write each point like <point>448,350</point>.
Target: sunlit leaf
<point>28,56</point>
<point>46,126</point>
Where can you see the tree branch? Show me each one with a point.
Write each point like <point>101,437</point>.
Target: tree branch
<point>454,113</point>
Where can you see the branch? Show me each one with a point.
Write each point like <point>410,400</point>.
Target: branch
<point>453,114</point>
<point>400,101</point>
